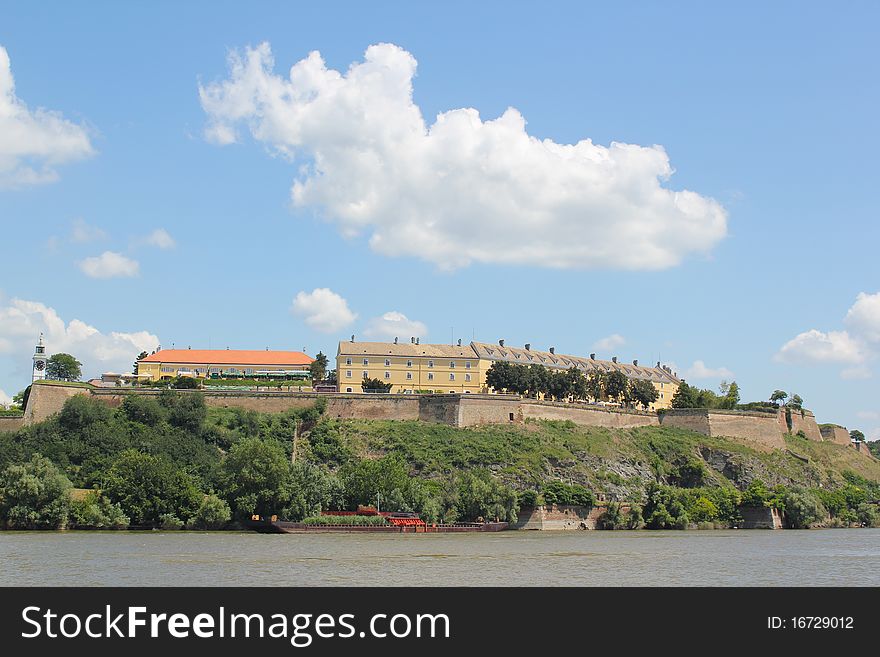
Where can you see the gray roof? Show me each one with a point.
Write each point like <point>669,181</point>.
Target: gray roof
<point>565,361</point>
<point>348,348</point>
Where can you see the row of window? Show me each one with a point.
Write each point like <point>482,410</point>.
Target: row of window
<point>409,376</point>
<point>409,363</point>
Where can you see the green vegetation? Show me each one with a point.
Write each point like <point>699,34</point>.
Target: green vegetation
<point>357,521</point>
<point>318,368</point>
<point>63,367</point>
<point>167,460</point>
<point>374,385</point>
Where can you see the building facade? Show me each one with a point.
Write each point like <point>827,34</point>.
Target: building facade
<point>218,363</point>
<point>413,367</point>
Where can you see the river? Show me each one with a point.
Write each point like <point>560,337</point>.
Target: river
<point>844,557</point>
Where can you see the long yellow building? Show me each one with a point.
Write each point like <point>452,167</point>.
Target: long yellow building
<point>412,367</point>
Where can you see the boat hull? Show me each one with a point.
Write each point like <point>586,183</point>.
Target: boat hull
<point>284,527</point>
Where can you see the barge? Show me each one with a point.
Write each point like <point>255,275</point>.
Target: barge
<point>394,523</point>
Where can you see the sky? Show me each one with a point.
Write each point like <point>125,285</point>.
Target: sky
<point>655,181</point>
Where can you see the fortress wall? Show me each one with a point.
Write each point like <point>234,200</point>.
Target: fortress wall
<point>762,429</point>
<point>834,434</point>
<point>10,424</point>
<point>587,416</point>
<point>805,423</point>
<point>438,409</point>
<point>562,518</point>
<point>755,517</point>
<point>489,409</point>
<point>687,418</point>
<point>47,400</point>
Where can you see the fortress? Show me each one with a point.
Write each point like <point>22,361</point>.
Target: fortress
<point>764,430</point>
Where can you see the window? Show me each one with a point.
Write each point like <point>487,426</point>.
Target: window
<point>430,376</point>
<point>348,390</point>
<point>249,371</point>
<point>387,375</point>
<point>661,395</point>
<point>366,361</point>
<point>467,377</point>
<point>467,364</point>
<point>348,361</point>
<point>387,362</point>
<point>409,376</point>
<point>409,363</point>
<point>452,364</point>
<point>451,376</point>
<point>364,373</point>
<point>430,363</point>
<point>347,374</point>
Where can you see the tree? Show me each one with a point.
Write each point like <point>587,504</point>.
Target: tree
<point>141,356</point>
<point>256,477</point>
<point>500,376</point>
<point>729,395</point>
<point>331,377</point>
<point>616,385</point>
<point>147,487</point>
<point>20,399</point>
<point>778,396</point>
<point>318,368</point>
<point>374,385</point>
<point>595,386</point>
<point>643,392</point>
<point>857,436</point>
<point>796,402</point>
<point>213,513</point>
<point>95,511</point>
<point>34,495</point>
<point>63,367</point>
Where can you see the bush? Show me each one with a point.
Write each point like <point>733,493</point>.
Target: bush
<point>635,519</point>
<point>81,411</point>
<point>34,495</point>
<point>213,513</point>
<point>359,521</point>
<point>170,521</point>
<point>96,511</point>
<point>803,509</point>
<point>139,408</point>
<point>868,515</point>
<point>612,518</point>
<point>560,493</point>
<point>528,498</point>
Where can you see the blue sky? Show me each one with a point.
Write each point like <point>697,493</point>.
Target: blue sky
<point>766,114</point>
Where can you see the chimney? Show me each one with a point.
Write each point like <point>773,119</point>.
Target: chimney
<point>658,363</point>
<point>592,356</point>
<point>528,346</point>
<point>501,343</point>
<point>614,359</point>
<point>412,340</point>
<point>459,342</point>
<point>636,362</point>
<point>352,337</point>
<point>417,340</point>
<point>395,340</point>
<point>552,350</point>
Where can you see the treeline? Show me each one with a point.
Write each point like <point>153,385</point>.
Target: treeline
<point>165,462</point>
<point>570,384</point>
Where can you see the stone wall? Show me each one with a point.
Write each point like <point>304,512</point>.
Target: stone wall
<point>835,434</point>
<point>562,518</point>
<point>591,416</point>
<point>489,409</point>
<point>754,427</point>
<point>45,400</point>
<point>11,424</point>
<point>760,517</point>
<point>800,421</point>
<point>692,419</point>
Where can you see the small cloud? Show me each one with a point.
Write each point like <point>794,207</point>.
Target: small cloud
<point>863,318</point>
<point>323,310</point>
<point>395,325</point>
<point>160,239</point>
<point>83,232</point>
<point>109,265</point>
<point>856,373</point>
<point>699,370</point>
<point>609,343</point>
<point>812,347</point>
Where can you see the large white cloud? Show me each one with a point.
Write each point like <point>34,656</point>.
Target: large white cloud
<point>463,189</point>
<point>817,347</point>
<point>699,370</point>
<point>863,318</point>
<point>33,142</point>
<point>323,310</point>
<point>394,324</point>
<point>109,265</point>
<point>21,323</point>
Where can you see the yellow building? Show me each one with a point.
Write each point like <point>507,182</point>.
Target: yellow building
<point>411,367</point>
<point>216,363</point>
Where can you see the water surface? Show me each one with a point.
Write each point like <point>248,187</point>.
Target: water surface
<point>844,557</point>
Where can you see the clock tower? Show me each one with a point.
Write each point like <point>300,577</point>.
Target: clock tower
<point>40,361</point>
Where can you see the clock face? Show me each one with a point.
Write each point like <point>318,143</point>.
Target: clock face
<point>40,365</point>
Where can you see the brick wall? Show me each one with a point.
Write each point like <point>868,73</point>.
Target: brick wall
<point>835,434</point>
<point>47,400</point>
<point>687,418</point>
<point>588,416</point>
<point>563,517</point>
<point>10,424</point>
<point>489,409</point>
<point>760,428</point>
<point>755,517</point>
<point>805,422</point>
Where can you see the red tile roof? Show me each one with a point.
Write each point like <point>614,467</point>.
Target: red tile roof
<point>228,357</point>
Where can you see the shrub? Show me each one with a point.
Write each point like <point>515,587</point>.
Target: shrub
<point>213,513</point>
<point>635,519</point>
<point>868,515</point>
<point>81,411</point>
<point>96,511</point>
<point>139,408</point>
<point>170,521</point>
<point>612,518</point>
<point>803,509</point>
<point>528,498</point>
<point>34,495</point>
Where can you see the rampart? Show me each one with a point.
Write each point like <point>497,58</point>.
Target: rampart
<point>835,434</point>
<point>11,423</point>
<point>562,517</point>
<point>760,517</point>
<point>591,416</point>
<point>751,426</point>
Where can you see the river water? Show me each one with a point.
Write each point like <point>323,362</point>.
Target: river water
<point>844,557</point>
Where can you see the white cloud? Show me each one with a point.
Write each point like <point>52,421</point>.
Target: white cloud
<point>461,190</point>
<point>32,143</point>
<point>609,343</point>
<point>21,323</point>
<point>863,318</point>
<point>699,370</point>
<point>814,346</point>
<point>323,310</point>
<point>83,232</point>
<point>856,373</point>
<point>109,265</point>
<point>160,239</point>
<point>395,325</point>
